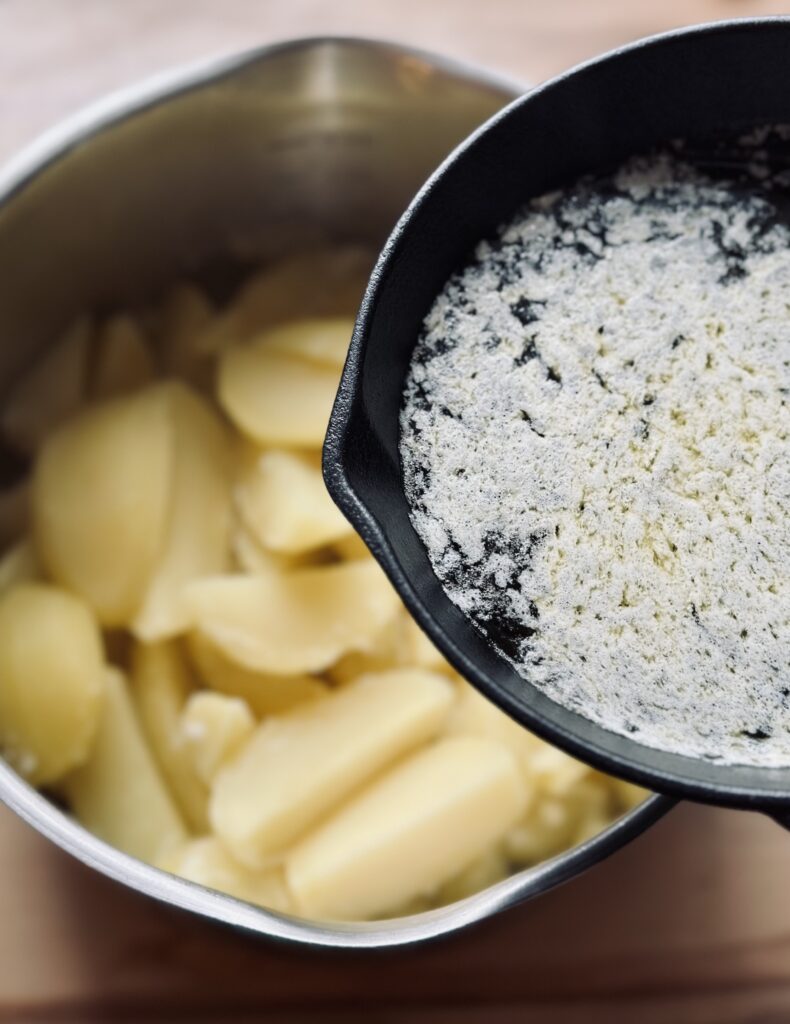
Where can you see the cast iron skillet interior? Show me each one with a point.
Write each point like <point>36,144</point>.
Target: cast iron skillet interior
<point>690,84</point>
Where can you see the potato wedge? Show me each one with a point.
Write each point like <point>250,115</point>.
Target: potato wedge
<point>319,754</point>
<point>475,715</point>
<point>295,622</point>
<point>212,729</point>
<point>19,565</point>
<point>186,314</point>
<point>554,823</point>
<point>123,361</point>
<point>276,399</point>
<point>318,339</point>
<point>627,794</point>
<point>419,650</point>
<point>265,694</point>
<point>489,868</point>
<point>14,512</point>
<point>119,794</point>
<point>411,831</point>
<point>101,496</point>
<point>51,391</point>
<point>248,556</point>
<point>282,498</point>
<point>321,282</point>
<point>196,542</point>
<point>206,862</point>
<point>51,680</point>
<point>352,548</point>
<point>160,687</point>
<point>388,652</point>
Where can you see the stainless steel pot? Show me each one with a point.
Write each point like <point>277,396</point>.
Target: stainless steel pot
<point>214,167</point>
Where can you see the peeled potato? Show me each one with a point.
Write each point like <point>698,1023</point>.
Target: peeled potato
<point>14,512</point>
<point>212,729</point>
<point>52,390</point>
<point>352,547</point>
<point>250,556</point>
<point>319,339</point>
<point>51,680</point>
<point>556,772</point>
<point>300,766</point>
<point>419,650</point>
<point>555,822</point>
<point>265,694</point>
<point>318,283</point>
<point>206,862</point>
<point>19,565</point>
<point>283,501</point>
<point>412,830</point>
<point>247,554</point>
<point>388,652</point>
<point>627,794</point>
<point>489,868</point>
<point>474,715</point>
<point>196,541</point>
<point>160,688</point>
<point>118,793</point>
<point>401,644</point>
<point>123,360</point>
<point>295,622</point>
<point>185,316</point>
<point>101,495</point>
<point>276,399</point>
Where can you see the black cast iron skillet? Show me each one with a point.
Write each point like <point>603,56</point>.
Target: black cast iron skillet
<point>715,78</point>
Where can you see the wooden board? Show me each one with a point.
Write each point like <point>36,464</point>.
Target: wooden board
<point>689,923</point>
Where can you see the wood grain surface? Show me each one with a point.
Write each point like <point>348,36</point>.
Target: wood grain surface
<point>691,923</point>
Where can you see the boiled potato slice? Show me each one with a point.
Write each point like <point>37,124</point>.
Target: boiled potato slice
<point>14,512</point>
<point>265,694</point>
<point>196,542</point>
<point>123,360</point>
<point>248,556</point>
<point>322,282</point>
<point>554,823</point>
<point>19,565</point>
<point>212,729</point>
<point>101,495</point>
<point>160,687</point>
<point>185,316</point>
<point>388,652</point>
<point>51,391</point>
<point>118,793</point>
<point>319,339</point>
<point>206,862</point>
<point>627,794</point>
<point>282,498</point>
<point>419,650</point>
<point>300,766</point>
<point>51,680</point>
<point>352,547</point>
<point>276,399</point>
<point>474,715</point>
<point>556,772</point>
<point>300,621</point>
<point>409,832</point>
<point>489,868</point>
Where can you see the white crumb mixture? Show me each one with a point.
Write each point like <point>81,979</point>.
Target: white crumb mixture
<point>594,441</point>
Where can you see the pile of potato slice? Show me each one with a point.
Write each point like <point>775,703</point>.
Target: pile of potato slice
<point>202,659</point>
